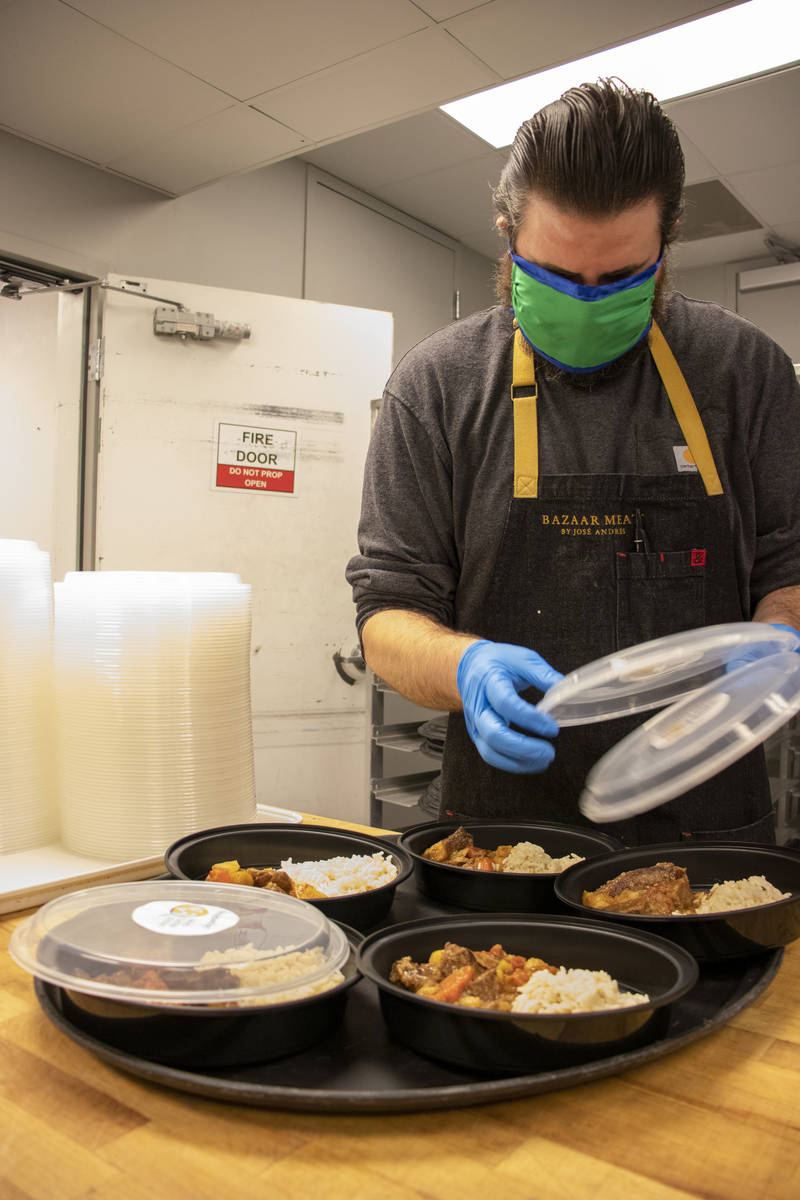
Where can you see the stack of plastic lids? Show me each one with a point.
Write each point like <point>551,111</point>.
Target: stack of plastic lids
<point>152,686</point>
<point>28,813</point>
<point>433,734</point>
<point>726,688</point>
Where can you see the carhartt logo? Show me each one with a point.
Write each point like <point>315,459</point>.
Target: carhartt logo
<point>683,459</point>
<point>698,558</point>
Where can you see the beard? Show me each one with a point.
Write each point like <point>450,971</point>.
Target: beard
<point>588,379</point>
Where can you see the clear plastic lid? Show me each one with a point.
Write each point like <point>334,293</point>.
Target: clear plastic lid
<point>659,672</point>
<point>693,739</point>
<point>176,942</point>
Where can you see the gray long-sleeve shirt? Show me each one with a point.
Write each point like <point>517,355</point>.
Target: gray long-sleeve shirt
<point>438,478</point>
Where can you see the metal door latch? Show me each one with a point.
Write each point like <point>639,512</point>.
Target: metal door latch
<point>354,659</point>
<point>180,322</point>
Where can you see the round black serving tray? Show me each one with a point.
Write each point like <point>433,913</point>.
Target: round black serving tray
<point>359,1069</point>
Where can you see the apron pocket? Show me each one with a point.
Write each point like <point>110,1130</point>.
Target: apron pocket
<point>762,830</point>
<point>658,594</point>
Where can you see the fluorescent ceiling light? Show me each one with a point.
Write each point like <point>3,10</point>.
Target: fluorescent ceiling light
<point>733,44</point>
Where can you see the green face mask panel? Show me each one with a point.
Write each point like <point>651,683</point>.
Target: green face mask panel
<point>576,327</point>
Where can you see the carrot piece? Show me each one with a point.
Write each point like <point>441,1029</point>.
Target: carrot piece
<point>453,984</point>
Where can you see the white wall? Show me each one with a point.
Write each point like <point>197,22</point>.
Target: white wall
<point>707,283</point>
<point>716,282</point>
<point>244,233</point>
<point>247,232</point>
<point>475,280</point>
<point>776,311</point>
<point>41,351</point>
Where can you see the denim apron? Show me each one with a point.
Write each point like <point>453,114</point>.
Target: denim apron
<point>590,564</point>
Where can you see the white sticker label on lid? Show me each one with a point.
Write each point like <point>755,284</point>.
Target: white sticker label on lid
<point>182,918</point>
<point>656,663</point>
<point>691,719</point>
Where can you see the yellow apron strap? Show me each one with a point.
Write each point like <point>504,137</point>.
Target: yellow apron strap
<point>526,430</point>
<point>685,410</point>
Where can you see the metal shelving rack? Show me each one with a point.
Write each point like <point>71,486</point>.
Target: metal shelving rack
<point>406,790</point>
<point>783,764</point>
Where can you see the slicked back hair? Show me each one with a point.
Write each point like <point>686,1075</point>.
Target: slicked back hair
<point>598,150</point>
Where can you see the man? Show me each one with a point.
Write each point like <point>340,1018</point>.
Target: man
<point>606,504</point>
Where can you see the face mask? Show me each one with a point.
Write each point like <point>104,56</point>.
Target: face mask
<point>576,327</point>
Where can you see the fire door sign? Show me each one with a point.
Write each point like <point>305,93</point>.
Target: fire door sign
<point>256,458</point>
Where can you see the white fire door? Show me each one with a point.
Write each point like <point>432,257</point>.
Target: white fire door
<point>246,455</point>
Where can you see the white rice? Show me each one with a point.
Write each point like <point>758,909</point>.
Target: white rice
<point>263,970</point>
<point>343,876</point>
<point>739,893</point>
<point>526,858</point>
<point>572,990</point>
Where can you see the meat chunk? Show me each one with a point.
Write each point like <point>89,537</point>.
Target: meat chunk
<point>454,956</point>
<point>275,880</point>
<point>486,987</point>
<point>658,890</point>
<point>441,851</point>
<point>413,975</point>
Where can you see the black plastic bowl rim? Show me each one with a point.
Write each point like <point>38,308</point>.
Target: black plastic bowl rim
<point>480,1039</point>
<point>193,1036</point>
<point>487,891</point>
<point>708,936</point>
<point>349,969</point>
<point>359,909</point>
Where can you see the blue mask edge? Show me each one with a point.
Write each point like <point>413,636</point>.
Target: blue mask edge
<point>581,291</point>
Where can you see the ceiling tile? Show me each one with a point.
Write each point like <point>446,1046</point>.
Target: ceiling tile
<point>745,126</point>
<point>515,37</point>
<point>238,139</point>
<point>483,241</point>
<point>247,46</point>
<point>789,231</point>
<point>735,247</point>
<point>698,167</point>
<point>66,81</point>
<point>456,198</point>
<point>131,84</point>
<point>398,80</point>
<point>774,193</point>
<point>398,151</point>
<point>711,210</point>
<point>441,10</point>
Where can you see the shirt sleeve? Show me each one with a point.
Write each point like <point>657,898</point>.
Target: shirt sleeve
<point>774,456</point>
<point>407,557</point>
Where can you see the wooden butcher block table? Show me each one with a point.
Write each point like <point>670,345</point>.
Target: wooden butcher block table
<point>718,1118</point>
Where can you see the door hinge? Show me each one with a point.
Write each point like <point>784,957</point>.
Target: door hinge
<point>96,359</point>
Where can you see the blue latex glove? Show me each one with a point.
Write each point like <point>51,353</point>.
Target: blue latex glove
<point>489,678</point>
<point>789,629</point>
<point>755,652</point>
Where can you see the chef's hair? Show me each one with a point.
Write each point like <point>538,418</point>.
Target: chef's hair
<point>598,150</point>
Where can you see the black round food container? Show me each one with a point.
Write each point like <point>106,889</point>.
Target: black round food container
<point>497,891</point>
<point>267,845</point>
<point>515,1043</point>
<point>708,936</point>
<point>204,1037</point>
